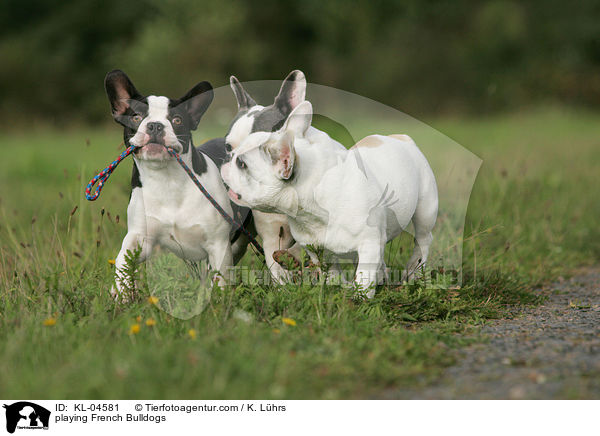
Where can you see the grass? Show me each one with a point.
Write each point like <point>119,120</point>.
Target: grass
<point>530,219</point>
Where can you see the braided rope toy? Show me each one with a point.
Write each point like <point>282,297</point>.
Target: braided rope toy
<point>103,176</point>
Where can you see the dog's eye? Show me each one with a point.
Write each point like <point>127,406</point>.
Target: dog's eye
<point>136,118</point>
<point>177,121</point>
<point>241,164</point>
<point>228,147</point>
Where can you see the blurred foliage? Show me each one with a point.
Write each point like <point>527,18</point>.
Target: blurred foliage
<point>418,56</point>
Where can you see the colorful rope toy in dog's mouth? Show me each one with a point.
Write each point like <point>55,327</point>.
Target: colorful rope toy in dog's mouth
<point>103,176</point>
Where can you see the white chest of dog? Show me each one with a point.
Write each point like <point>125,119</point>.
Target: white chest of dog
<point>169,211</point>
<point>346,201</point>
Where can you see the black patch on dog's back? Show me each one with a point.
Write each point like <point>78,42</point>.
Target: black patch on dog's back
<point>198,162</point>
<point>215,149</point>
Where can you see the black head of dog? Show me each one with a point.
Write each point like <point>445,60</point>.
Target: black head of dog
<point>154,122</point>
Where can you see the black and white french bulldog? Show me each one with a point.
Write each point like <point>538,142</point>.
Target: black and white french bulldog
<point>166,209</point>
<point>251,118</point>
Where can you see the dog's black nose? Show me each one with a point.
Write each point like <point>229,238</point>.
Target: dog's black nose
<point>154,127</point>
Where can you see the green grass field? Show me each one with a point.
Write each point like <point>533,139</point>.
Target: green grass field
<point>530,219</point>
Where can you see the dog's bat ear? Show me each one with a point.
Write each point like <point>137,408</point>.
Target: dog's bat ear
<point>299,120</point>
<point>292,92</point>
<point>196,101</point>
<point>283,155</point>
<point>244,100</point>
<point>120,91</point>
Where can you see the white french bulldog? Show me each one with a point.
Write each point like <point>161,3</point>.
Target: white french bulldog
<point>346,201</point>
<point>251,118</point>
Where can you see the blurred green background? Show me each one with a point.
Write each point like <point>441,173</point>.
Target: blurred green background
<point>422,57</point>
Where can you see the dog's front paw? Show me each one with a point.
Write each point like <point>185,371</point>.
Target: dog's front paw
<point>122,296</point>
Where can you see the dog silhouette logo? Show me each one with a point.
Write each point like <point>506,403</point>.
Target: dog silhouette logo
<point>26,415</point>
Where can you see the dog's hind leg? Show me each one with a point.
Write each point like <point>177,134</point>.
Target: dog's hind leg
<point>370,264</point>
<point>419,255</point>
<point>424,221</point>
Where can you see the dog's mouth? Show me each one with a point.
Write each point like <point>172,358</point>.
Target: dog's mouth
<point>152,148</point>
<point>155,150</point>
<point>232,194</point>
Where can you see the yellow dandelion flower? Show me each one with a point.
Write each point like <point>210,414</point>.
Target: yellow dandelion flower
<point>111,261</point>
<point>153,300</point>
<point>138,319</point>
<point>48,322</point>
<point>134,329</point>
<point>276,331</point>
<point>289,321</point>
<point>192,333</point>
<point>150,322</point>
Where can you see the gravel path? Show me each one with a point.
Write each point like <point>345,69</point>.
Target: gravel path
<point>546,352</point>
